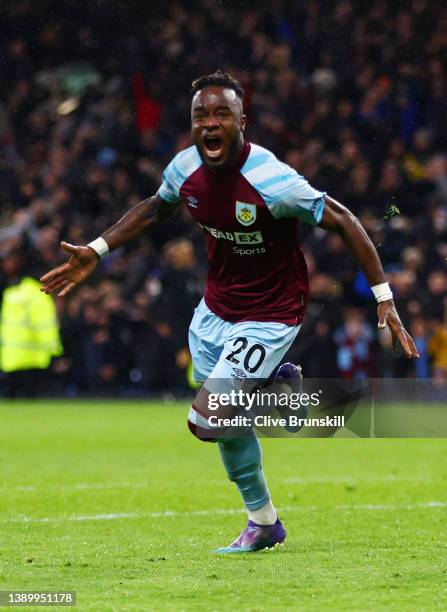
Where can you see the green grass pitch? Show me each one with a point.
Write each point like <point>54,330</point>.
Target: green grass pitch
<point>117,501</point>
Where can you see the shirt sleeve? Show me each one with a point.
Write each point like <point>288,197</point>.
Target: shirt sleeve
<point>169,189</point>
<point>176,173</point>
<point>288,194</point>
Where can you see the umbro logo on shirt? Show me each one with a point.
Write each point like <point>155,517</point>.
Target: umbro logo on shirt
<point>192,201</point>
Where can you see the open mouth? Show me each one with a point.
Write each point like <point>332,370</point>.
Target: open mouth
<point>213,146</point>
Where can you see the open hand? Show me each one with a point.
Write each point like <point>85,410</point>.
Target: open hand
<point>387,314</point>
<point>63,278</point>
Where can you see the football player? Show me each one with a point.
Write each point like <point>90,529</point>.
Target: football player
<point>249,205</point>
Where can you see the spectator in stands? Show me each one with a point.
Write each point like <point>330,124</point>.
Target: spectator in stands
<point>29,330</point>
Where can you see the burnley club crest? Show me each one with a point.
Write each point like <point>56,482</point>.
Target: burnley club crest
<point>245,213</point>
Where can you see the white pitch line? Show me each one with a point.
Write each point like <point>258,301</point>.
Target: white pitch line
<point>352,480</point>
<point>118,515</point>
<point>175,514</point>
<point>415,506</point>
<point>92,486</point>
<point>80,486</point>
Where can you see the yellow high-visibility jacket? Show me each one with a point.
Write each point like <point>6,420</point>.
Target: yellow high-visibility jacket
<point>437,347</point>
<point>29,331</point>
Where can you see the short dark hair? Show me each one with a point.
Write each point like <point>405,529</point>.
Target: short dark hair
<point>221,79</point>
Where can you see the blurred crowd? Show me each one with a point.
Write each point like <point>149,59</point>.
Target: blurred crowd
<point>94,102</point>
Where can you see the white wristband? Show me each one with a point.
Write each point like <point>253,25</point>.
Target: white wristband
<point>382,292</point>
<point>100,246</point>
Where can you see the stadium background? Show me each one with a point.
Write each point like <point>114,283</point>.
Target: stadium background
<point>94,102</point>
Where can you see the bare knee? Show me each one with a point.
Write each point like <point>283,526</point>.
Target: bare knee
<point>199,427</point>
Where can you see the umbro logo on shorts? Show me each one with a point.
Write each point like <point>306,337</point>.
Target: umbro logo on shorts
<point>240,373</point>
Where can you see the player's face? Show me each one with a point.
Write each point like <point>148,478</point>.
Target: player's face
<point>217,127</point>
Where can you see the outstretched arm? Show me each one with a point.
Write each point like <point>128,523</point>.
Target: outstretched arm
<point>337,218</point>
<point>83,259</point>
<point>141,218</point>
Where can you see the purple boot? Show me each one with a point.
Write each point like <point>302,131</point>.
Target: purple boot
<point>256,537</point>
<point>291,371</point>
